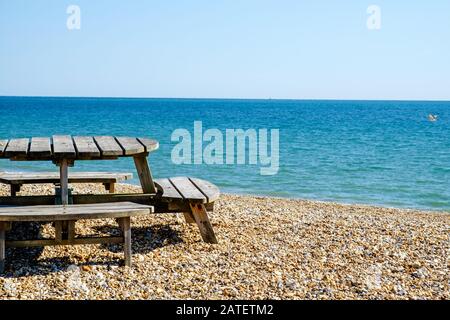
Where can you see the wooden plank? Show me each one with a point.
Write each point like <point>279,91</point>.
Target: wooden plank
<point>52,242</point>
<point>144,173</point>
<point>146,199</point>
<point>27,201</point>
<point>187,189</point>
<point>3,144</point>
<point>108,146</point>
<point>125,224</point>
<point>63,147</point>
<point>73,212</point>
<point>203,223</point>
<point>160,205</point>
<point>100,176</point>
<point>86,147</point>
<point>149,144</point>
<point>17,147</point>
<point>53,177</point>
<point>72,209</point>
<point>71,230</point>
<point>131,146</point>
<point>168,189</point>
<point>40,147</point>
<point>211,192</point>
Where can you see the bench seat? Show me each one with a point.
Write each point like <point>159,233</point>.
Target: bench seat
<point>65,218</point>
<point>72,212</point>
<point>196,195</point>
<point>187,189</point>
<point>17,179</point>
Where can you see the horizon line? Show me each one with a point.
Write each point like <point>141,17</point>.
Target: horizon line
<point>216,98</point>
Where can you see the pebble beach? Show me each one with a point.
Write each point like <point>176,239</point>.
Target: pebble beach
<point>269,248</point>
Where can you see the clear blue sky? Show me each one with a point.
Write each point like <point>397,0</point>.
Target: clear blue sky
<point>226,49</point>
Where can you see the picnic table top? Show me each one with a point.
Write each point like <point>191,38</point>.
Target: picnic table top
<point>75,147</point>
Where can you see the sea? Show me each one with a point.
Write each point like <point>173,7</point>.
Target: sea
<point>384,153</point>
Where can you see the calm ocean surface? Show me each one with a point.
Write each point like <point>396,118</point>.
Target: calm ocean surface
<point>380,152</point>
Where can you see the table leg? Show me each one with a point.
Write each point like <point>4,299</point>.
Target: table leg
<point>64,181</point>
<point>144,173</point>
<point>2,249</point>
<point>68,227</point>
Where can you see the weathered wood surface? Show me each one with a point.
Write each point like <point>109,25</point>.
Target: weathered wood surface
<point>17,147</point>
<point>63,147</point>
<point>79,147</point>
<point>86,147</point>
<point>130,146</point>
<point>149,144</point>
<point>167,189</point>
<point>62,237</point>
<point>3,144</point>
<point>108,146</point>
<point>67,242</point>
<point>53,177</point>
<point>189,217</point>
<point>203,223</point>
<point>211,191</point>
<point>125,224</point>
<point>73,212</point>
<point>144,173</point>
<point>188,189</point>
<point>147,199</point>
<point>64,181</point>
<point>40,147</point>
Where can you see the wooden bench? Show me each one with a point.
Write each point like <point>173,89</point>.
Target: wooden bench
<point>61,215</point>
<point>17,179</point>
<point>191,196</point>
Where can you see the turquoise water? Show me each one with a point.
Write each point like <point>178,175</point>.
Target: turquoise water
<point>374,152</point>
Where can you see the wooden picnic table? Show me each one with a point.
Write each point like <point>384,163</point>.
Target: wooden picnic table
<point>65,150</point>
<point>191,196</point>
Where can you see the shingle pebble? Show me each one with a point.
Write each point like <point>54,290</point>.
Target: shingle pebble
<point>269,248</point>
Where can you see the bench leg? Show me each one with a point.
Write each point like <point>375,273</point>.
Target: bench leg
<point>14,189</point>
<point>188,217</point>
<point>2,246</point>
<point>203,223</point>
<point>71,230</point>
<point>125,224</point>
<point>119,222</point>
<point>58,231</point>
<point>112,187</point>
